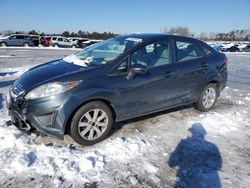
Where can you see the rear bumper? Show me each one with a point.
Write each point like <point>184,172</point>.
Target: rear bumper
<point>224,76</point>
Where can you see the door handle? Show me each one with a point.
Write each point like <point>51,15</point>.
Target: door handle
<point>169,74</point>
<point>204,65</point>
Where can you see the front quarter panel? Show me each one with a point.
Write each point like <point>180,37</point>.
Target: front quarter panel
<point>78,98</point>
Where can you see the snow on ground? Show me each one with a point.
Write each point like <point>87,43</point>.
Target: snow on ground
<point>159,150</point>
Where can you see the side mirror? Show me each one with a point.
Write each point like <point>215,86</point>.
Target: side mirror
<point>136,69</point>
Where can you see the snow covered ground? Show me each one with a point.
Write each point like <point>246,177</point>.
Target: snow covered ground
<point>160,150</point>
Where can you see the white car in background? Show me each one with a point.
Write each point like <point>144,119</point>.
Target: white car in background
<point>89,42</point>
<point>242,47</point>
<point>74,39</point>
<point>58,41</point>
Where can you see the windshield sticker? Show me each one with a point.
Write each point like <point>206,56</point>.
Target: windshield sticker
<point>134,39</point>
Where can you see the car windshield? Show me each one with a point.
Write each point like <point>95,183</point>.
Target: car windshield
<point>103,52</point>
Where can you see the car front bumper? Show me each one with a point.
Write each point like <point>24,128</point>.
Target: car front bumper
<point>45,115</point>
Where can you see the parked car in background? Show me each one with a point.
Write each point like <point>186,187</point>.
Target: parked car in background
<point>74,39</point>
<point>80,42</point>
<point>17,40</point>
<point>242,47</point>
<point>36,39</point>
<point>45,40</point>
<point>118,79</point>
<point>217,47</point>
<point>230,49</point>
<point>58,41</point>
<point>246,48</point>
<point>89,42</point>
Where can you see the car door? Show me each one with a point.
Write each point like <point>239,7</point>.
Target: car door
<point>154,90</point>
<point>66,43</point>
<point>192,65</point>
<point>60,42</point>
<point>12,40</point>
<point>19,40</point>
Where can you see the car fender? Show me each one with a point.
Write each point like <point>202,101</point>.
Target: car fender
<point>212,77</point>
<point>81,98</point>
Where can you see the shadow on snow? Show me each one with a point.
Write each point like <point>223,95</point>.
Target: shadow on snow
<point>197,161</point>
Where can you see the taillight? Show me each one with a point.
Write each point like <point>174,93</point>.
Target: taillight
<point>225,61</point>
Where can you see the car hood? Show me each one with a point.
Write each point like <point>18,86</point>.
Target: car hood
<point>3,37</point>
<point>46,72</point>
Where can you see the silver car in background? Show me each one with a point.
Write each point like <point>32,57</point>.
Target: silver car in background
<point>58,41</point>
<point>16,40</point>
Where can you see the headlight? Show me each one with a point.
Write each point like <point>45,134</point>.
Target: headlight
<point>50,89</point>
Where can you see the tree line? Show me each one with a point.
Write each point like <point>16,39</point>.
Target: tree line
<point>234,35</point>
<point>86,34</point>
<point>80,33</point>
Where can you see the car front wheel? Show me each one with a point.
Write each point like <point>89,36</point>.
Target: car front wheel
<point>91,123</point>
<point>207,99</point>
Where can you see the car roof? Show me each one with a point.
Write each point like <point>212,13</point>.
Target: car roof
<point>20,34</point>
<point>149,36</point>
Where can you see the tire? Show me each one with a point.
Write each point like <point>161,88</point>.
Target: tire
<point>73,46</point>
<point>84,124</point>
<point>26,44</point>
<point>3,44</point>
<point>55,45</point>
<point>207,98</point>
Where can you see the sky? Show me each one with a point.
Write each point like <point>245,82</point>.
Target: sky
<point>124,16</point>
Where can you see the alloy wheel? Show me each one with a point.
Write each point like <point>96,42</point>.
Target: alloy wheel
<point>209,97</point>
<point>93,124</point>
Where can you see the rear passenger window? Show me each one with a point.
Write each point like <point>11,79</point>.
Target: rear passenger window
<point>59,39</point>
<point>19,37</point>
<point>205,49</point>
<point>187,51</point>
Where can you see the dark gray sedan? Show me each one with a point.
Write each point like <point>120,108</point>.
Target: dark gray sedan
<point>117,79</point>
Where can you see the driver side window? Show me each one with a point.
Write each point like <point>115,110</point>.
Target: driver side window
<point>153,54</point>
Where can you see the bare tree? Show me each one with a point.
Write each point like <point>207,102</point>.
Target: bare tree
<point>184,31</point>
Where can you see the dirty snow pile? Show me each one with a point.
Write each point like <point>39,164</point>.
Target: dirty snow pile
<point>20,154</point>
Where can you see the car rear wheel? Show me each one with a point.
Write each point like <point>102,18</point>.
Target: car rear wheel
<point>91,123</point>
<point>26,44</point>
<point>55,45</point>
<point>3,44</point>
<point>73,46</point>
<point>207,98</point>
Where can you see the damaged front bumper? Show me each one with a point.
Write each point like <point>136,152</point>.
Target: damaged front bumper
<point>38,116</point>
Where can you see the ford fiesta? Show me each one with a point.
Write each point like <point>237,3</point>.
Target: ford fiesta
<point>124,77</point>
